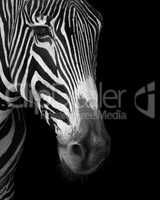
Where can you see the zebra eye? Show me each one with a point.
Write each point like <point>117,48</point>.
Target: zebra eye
<point>42,31</point>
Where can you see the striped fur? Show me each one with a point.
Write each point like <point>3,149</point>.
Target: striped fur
<point>48,58</point>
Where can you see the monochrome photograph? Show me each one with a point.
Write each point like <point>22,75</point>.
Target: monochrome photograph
<point>78,93</point>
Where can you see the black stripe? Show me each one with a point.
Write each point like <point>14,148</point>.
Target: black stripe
<point>46,59</point>
<point>43,89</point>
<point>56,113</point>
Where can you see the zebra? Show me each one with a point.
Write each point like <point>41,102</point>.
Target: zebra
<point>48,57</point>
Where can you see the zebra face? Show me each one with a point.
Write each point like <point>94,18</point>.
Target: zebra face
<point>61,64</point>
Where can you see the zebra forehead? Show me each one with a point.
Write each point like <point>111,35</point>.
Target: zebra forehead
<point>52,8</point>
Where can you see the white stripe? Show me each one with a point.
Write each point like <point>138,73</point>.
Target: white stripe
<point>8,99</point>
<point>7,84</point>
<point>44,66</point>
<point>3,42</point>
<point>75,68</point>
<point>24,81</point>
<point>16,43</point>
<point>55,104</point>
<point>3,8</point>
<point>22,62</point>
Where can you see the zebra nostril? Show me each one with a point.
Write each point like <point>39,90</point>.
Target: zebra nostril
<point>76,150</point>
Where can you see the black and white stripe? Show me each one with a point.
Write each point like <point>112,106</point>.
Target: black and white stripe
<point>12,127</point>
<point>48,55</point>
<point>59,60</point>
<point>12,136</point>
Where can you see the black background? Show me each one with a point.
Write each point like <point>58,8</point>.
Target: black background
<point>126,60</point>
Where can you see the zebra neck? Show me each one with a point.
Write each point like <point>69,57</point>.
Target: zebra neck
<point>8,16</point>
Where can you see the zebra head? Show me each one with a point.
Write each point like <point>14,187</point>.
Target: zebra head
<point>61,39</point>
